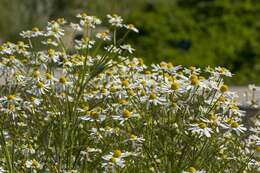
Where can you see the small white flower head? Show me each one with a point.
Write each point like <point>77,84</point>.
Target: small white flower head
<point>113,49</point>
<point>50,42</point>
<point>131,27</point>
<point>33,164</point>
<point>194,170</point>
<point>115,20</point>
<point>128,48</point>
<point>201,129</point>
<point>2,170</point>
<point>115,158</point>
<point>125,115</point>
<point>10,99</point>
<point>40,87</point>
<point>29,149</point>
<point>235,126</point>
<point>35,32</point>
<point>88,21</point>
<point>54,29</point>
<point>93,115</point>
<point>84,43</point>
<point>105,36</point>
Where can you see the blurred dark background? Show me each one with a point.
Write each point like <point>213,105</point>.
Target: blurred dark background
<point>188,32</point>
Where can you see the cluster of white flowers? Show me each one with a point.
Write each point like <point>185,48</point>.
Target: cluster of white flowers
<point>98,108</point>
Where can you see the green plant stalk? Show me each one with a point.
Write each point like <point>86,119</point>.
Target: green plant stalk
<point>6,153</point>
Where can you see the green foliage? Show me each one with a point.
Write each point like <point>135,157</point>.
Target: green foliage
<point>17,15</point>
<point>202,33</point>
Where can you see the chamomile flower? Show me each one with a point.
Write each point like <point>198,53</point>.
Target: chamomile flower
<point>2,170</point>
<point>33,164</point>
<point>84,43</point>
<point>131,27</point>
<point>76,27</point>
<point>128,48</point>
<point>115,20</point>
<point>236,127</point>
<point>40,87</point>
<point>105,36</point>
<point>35,32</point>
<point>54,29</point>
<point>51,56</point>
<point>201,129</point>
<point>50,41</point>
<point>88,21</point>
<point>92,115</point>
<point>115,158</point>
<point>124,115</point>
<point>194,170</point>
<point>29,149</point>
<point>113,49</point>
<point>154,98</point>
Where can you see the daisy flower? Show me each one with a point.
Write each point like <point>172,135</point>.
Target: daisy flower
<point>128,48</point>
<point>92,115</point>
<point>115,20</point>
<point>115,158</point>
<point>105,36</point>
<point>131,27</point>
<point>201,129</point>
<point>124,116</point>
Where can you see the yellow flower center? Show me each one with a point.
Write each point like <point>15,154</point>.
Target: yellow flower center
<point>51,52</point>
<point>113,89</point>
<point>36,73</point>
<point>35,29</point>
<point>117,153</point>
<point>141,61</point>
<point>143,82</point>
<point>39,84</point>
<point>93,114</point>
<point>224,88</point>
<point>35,163</point>
<point>56,28</point>
<point>83,14</point>
<point>125,83</point>
<point>109,73</point>
<point>143,93</point>
<point>194,80</point>
<point>222,99</point>
<point>234,124</point>
<point>147,72</point>
<point>130,92</point>
<point>202,125</point>
<point>230,121</point>
<point>11,97</point>
<point>152,96</point>
<point>169,65</point>
<point>48,76</point>
<point>113,159</point>
<point>24,61</point>
<point>62,80</point>
<point>126,113</point>
<point>61,20</point>
<point>103,90</point>
<point>133,136</point>
<point>193,170</point>
<point>30,146</point>
<point>11,107</point>
<point>122,101</point>
<point>175,86</point>
<point>257,149</point>
<point>86,108</point>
